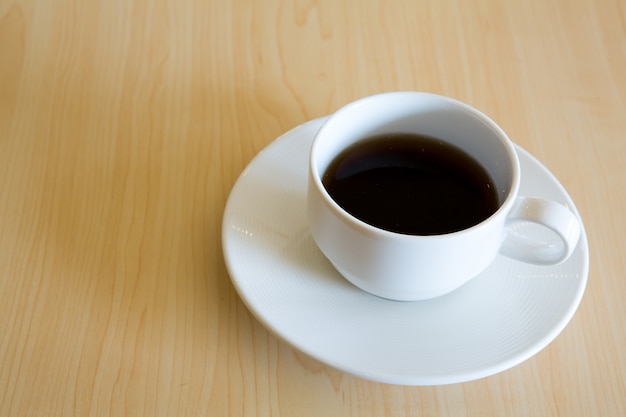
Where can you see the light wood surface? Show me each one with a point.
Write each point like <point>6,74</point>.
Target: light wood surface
<point>125,123</point>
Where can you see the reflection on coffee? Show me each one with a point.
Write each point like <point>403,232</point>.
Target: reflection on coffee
<point>411,184</point>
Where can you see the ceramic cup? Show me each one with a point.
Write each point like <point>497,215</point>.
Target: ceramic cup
<point>408,267</point>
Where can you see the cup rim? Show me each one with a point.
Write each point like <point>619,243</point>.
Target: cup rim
<point>348,218</point>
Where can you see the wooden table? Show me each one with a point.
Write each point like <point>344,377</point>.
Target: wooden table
<point>124,125</point>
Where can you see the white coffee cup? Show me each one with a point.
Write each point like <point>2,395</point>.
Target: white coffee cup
<point>409,267</point>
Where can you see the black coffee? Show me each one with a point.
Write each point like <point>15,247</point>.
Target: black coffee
<point>411,184</point>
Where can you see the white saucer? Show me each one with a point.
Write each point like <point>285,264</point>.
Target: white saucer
<point>499,319</point>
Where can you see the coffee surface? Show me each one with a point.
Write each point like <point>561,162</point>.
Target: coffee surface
<point>411,184</point>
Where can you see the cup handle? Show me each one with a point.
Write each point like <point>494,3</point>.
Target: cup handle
<point>550,214</point>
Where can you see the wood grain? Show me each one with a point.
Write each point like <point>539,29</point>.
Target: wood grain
<point>124,124</point>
